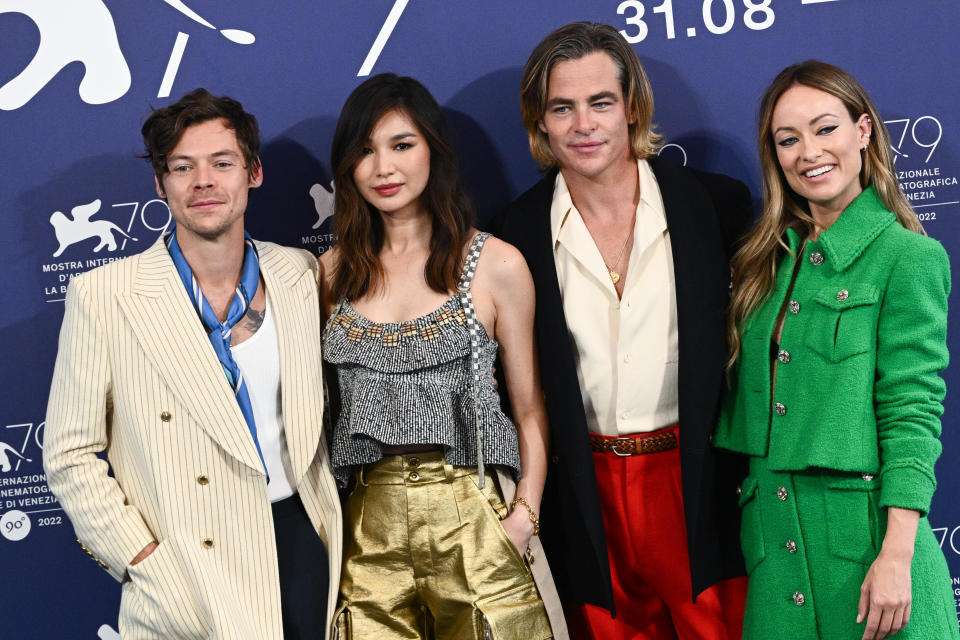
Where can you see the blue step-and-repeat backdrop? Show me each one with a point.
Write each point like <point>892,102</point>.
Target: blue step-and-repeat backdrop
<point>77,78</point>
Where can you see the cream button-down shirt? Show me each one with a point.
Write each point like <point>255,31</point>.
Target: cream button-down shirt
<point>626,348</point>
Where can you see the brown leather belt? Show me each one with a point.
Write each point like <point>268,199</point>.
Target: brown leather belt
<point>634,445</point>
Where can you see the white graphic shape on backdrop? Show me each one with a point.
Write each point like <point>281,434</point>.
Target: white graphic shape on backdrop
<point>176,54</point>
<point>70,31</point>
<point>106,632</point>
<point>173,65</point>
<point>385,31</point>
<point>71,231</point>
<point>322,202</point>
<point>5,465</point>
<point>675,146</point>
<point>15,525</point>
<point>234,35</point>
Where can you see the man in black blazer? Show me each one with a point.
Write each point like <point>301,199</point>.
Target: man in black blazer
<point>630,257</point>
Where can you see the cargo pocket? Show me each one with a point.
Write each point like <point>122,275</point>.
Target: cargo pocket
<point>751,524</point>
<point>341,628</point>
<point>845,321</point>
<point>514,614</point>
<point>851,506</point>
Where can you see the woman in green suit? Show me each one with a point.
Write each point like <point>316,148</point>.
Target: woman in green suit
<point>837,337</point>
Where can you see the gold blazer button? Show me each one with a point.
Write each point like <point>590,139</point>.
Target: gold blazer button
<point>203,479</point>
<point>207,543</point>
<point>165,416</point>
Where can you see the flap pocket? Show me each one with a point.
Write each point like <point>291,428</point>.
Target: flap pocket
<point>514,614</point>
<point>840,298</point>
<point>861,482</point>
<point>747,490</point>
<point>852,510</point>
<point>341,628</point>
<point>844,321</point>
<point>751,524</point>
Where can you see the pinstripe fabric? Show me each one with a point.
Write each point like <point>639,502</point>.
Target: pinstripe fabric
<point>132,353</point>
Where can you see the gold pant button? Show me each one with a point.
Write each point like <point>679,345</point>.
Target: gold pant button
<point>414,476</point>
<point>203,479</point>
<point>414,462</point>
<point>165,416</point>
<point>208,543</point>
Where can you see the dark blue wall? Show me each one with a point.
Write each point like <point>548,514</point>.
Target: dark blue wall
<point>72,140</point>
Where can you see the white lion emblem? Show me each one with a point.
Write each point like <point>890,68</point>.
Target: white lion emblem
<point>71,231</point>
<point>322,202</point>
<point>5,465</point>
<point>70,31</point>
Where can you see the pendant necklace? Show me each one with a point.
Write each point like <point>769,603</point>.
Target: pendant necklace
<point>614,275</point>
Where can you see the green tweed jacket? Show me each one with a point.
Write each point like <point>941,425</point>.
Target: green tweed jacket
<point>863,343</point>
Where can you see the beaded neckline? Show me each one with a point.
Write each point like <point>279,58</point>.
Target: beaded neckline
<point>349,318</point>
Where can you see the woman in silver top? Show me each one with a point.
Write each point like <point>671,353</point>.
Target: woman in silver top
<point>418,303</point>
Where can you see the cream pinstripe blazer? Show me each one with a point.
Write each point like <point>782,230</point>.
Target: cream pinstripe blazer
<point>136,377</point>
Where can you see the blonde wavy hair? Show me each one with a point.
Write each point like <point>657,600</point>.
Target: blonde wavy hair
<point>755,263</point>
<point>572,42</point>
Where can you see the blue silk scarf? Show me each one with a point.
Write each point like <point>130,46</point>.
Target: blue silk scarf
<point>220,332</point>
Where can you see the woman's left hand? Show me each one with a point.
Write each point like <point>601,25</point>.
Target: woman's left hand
<point>519,529</point>
<point>885,596</point>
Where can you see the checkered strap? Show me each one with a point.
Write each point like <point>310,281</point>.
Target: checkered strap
<point>473,327</point>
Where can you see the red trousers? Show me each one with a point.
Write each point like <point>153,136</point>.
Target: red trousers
<point>642,505</point>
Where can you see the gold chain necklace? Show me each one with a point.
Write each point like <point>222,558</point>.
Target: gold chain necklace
<point>614,275</point>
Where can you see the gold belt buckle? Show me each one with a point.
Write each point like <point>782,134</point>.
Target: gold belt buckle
<point>613,446</point>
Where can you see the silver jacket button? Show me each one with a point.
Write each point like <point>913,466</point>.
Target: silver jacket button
<point>791,546</point>
<point>816,258</point>
<point>867,477</point>
<point>842,295</point>
<point>783,356</point>
<point>780,409</point>
<point>794,307</point>
<point>782,493</point>
<point>798,598</point>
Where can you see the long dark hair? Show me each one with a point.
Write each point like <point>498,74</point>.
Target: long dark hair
<point>357,225</point>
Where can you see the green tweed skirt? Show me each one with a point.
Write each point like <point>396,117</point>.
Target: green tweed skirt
<point>809,538</point>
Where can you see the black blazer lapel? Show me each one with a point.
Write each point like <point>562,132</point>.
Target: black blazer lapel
<point>574,505</point>
<point>701,274</point>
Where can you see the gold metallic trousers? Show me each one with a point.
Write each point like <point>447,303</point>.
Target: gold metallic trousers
<point>429,559</point>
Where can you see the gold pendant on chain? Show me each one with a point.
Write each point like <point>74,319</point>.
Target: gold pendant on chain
<point>614,276</point>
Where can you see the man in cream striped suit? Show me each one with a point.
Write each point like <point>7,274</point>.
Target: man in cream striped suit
<point>196,366</point>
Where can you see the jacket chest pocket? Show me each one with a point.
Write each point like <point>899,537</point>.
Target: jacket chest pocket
<point>844,321</point>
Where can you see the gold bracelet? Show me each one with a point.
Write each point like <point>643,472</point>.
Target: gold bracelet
<point>533,514</point>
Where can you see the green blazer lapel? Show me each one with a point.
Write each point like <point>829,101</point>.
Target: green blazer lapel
<point>170,332</point>
<point>295,303</point>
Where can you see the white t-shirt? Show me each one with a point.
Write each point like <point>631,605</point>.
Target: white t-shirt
<point>259,360</point>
